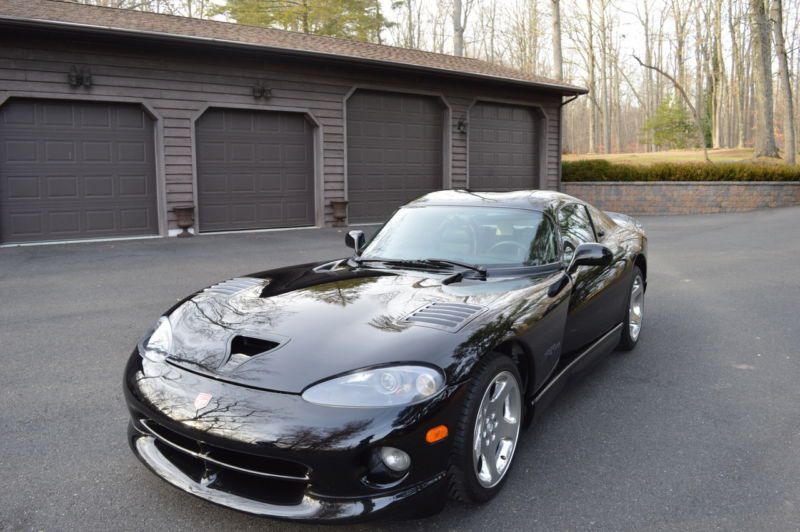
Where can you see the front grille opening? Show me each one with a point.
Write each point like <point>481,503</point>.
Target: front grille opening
<point>173,437</point>
<point>249,346</point>
<point>258,463</point>
<point>267,490</point>
<point>251,462</point>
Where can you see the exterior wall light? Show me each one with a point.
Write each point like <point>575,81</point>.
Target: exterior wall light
<point>78,78</point>
<point>260,90</point>
<point>461,125</point>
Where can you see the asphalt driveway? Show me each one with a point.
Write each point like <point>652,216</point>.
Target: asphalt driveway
<point>697,429</point>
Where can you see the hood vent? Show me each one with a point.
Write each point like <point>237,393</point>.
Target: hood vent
<point>233,286</point>
<point>244,347</point>
<point>446,316</point>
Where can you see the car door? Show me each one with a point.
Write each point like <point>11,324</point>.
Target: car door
<point>590,315</point>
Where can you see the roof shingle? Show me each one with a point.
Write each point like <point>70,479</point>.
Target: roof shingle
<point>59,12</point>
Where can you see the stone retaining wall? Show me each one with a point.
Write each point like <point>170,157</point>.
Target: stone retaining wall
<point>685,197</point>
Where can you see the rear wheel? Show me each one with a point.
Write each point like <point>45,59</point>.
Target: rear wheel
<point>632,326</point>
<point>488,431</point>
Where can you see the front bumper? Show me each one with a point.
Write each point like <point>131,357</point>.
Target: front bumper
<point>273,454</point>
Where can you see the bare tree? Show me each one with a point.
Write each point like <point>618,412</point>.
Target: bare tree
<point>558,62</point>
<point>604,77</point>
<point>737,75</point>
<point>701,138</point>
<point>458,29</point>
<point>776,16</point>
<point>461,11</point>
<point>765,145</point>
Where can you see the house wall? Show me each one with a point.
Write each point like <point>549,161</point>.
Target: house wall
<point>177,84</point>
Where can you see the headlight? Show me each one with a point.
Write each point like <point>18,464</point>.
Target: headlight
<point>157,344</point>
<point>389,386</point>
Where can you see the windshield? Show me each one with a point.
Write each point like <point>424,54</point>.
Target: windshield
<point>487,236</point>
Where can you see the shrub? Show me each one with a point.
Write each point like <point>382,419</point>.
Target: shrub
<point>671,126</point>
<point>602,170</point>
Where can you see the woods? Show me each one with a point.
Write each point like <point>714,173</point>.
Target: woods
<point>731,66</point>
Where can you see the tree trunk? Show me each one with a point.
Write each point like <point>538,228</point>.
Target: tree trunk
<point>604,78</point>
<point>458,30</point>
<point>737,77</point>
<point>789,147</point>
<point>592,83</point>
<point>558,63</point>
<point>762,72</point>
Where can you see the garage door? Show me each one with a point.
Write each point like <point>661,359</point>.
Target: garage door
<point>502,147</point>
<point>255,170</point>
<point>394,152</point>
<point>71,170</point>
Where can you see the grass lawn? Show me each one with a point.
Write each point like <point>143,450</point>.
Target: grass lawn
<point>731,155</point>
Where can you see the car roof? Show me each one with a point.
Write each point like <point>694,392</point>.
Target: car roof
<point>522,199</point>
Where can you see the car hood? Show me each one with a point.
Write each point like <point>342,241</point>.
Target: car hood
<point>285,329</point>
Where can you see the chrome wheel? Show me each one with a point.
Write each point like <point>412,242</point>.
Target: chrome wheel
<point>497,429</point>
<point>636,307</point>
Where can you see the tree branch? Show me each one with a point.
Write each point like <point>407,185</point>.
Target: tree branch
<point>697,122</point>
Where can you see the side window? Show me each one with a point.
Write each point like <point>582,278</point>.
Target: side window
<point>544,247</point>
<point>603,225</point>
<point>575,227</point>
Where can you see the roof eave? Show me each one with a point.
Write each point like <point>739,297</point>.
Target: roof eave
<point>110,30</point>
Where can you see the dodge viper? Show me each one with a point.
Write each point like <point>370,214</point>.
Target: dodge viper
<point>386,382</point>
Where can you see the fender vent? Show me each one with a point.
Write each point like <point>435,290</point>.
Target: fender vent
<point>233,286</point>
<point>447,316</point>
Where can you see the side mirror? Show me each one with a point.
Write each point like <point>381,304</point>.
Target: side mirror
<point>355,240</point>
<point>590,254</point>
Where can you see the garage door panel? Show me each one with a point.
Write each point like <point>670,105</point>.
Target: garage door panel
<point>98,152</point>
<point>97,117</point>
<point>80,174</point>
<point>21,151</point>
<point>64,222</point>
<point>255,163</point>
<point>502,147</point>
<point>394,151</point>
<point>56,114</point>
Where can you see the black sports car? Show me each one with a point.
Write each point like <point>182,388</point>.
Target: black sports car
<point>381,383</point>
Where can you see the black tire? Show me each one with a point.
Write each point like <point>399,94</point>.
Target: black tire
<point>463,480</point>
<point>627,342</point>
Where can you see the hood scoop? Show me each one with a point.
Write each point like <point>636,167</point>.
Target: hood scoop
<point>245,347</point>
<point>233,286</point>
<point>446,316</point>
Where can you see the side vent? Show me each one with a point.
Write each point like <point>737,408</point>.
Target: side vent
<point>233,286</point>
<point>446,316</point>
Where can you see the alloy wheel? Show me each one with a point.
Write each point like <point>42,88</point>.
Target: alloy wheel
<point>497,429</point>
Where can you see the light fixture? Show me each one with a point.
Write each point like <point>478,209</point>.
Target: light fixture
<point>77,78</point>
<point>260,90</point>
<point>461,125</point>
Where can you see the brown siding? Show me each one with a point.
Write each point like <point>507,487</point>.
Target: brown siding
<point>178,84</point>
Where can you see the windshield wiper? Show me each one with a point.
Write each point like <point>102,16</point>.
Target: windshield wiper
<point>447,262</point>
<point>428,263</point>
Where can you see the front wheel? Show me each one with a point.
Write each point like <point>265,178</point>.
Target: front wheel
<point>632,326</point>
<point>487,432</point>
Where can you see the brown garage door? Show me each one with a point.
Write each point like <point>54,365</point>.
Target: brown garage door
<point>394,152</point>
<point>75,170</point>
<point>255,170</point>
<point>502,147</point>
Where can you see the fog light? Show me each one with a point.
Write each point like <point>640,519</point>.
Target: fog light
<point>395,459</point>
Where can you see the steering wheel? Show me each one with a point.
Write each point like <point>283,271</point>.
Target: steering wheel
<point>518,249</point>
